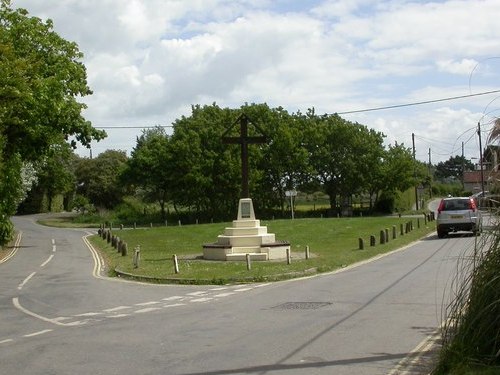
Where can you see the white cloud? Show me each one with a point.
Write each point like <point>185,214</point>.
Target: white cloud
<point>149,61</point>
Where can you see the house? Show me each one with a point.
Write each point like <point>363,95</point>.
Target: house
<point>491,172</point>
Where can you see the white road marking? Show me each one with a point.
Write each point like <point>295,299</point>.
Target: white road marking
<point>242,289</point>
<point>175,305</point>
<point>147,303</point>
<point>146,310</point>
<point>224,294</point>
<point>59,318</point>
<point>17,305</point>
<point>38,333</point>
<point>25,281</point>
<point>53,241</point>
<point>219,288</point>
<point>47,261</point>
<point>196,294</point>
<point>117,316</point>
<point>6,341</point>
<point>204,299</point>
<point>174,298</point>
<point>119,308</point>
<point>14,249</point>
<point>89,314</point>
<point>261,285</point>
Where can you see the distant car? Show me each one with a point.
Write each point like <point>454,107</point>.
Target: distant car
<point>458,214</point>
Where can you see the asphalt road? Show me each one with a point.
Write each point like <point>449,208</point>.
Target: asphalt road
<point>59,316</point>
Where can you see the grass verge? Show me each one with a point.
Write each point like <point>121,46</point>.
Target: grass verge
<point>333,244</point>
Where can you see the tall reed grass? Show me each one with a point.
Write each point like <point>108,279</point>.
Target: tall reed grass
<point>471,332</point>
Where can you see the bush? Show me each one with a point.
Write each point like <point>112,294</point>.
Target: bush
<point>6,230</point>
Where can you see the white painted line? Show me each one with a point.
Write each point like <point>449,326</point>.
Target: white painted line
<point>147,303</point>
<point>196,294</point>
<point>25,281</point>
<point>38,333</point>
<point>242,289</point>
<point>404,366</point>
<point>204,299</point>
<point>175,305</point>
<point>14,249</point>
<point>98,263</point>
<point>59,318</point>
<point>47,261</point>
<point>18,306</point>
<point>88,314</point>
<point>146,310</point>
<point>261,285</point>
<point>53,241</point>
<point>174,298</point>
<point>6,341</point>
<point>77,323</point>
<point>54,249</point>
<point>224,294</point>
<point>219,288</point>
<point>119,308</point>
<point>117,316</point>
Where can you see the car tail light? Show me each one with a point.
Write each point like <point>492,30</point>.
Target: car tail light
<point>472,205</point>
<point>441,206</point>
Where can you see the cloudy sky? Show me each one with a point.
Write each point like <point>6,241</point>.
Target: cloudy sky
<point>148,61</point>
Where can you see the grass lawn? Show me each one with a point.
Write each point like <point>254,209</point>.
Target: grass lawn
<point>333,244</point>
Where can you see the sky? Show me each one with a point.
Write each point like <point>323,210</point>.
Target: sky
<point>149,61</point>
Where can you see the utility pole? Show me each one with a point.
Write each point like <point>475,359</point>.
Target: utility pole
<point>480,156</point>
<point>415,170</point>
<point>463,167</point>
<point>430,174</point>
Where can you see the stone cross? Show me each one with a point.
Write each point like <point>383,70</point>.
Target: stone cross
<point>244,140</point>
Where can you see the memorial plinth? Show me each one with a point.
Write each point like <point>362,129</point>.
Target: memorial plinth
<point>246,236</point>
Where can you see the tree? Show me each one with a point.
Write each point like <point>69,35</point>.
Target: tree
<point>98,179</point>
<point>206,173</point>
<point>453,168</point>
<point>281,163</point>
<point>342,155</point>
<point>149,166</point>
<point>41,77</point>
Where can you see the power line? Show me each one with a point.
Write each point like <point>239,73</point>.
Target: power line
<point>338,113</point>
<point>134,127</point>
<point>418,103</point>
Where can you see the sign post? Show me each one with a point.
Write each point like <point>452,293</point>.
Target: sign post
<point>291,194</point>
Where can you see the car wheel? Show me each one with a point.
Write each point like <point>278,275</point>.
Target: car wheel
<point>441,234</point>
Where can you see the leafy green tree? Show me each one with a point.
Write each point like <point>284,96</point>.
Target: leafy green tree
<point>342,155</point>
<point>281,163</point>
<point>150,167</point>
<point>56,172</point>
<point>453,168</point>
<point>41,78</point>
<point>98,179</point>
<point>206,173</point>
<point>395,173</point>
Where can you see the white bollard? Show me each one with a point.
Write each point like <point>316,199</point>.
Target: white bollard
<point>249,262</point>
<point>307,252</point>
<point>137,256</point>
<point>176,263</point>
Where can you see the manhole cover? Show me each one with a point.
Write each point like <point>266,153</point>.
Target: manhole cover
<point>301,305</point>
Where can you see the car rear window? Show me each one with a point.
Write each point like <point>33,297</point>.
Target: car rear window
<point>456,204</point>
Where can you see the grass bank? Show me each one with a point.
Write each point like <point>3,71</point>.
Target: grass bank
<point>333,244</point>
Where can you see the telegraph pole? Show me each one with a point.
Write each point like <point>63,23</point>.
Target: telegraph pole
<point>415,171</point>
<point>480,156</point>
<point>430,174</point>
<point>463,167</point>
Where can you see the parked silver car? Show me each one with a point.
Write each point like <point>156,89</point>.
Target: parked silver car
<point>458,214</point>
